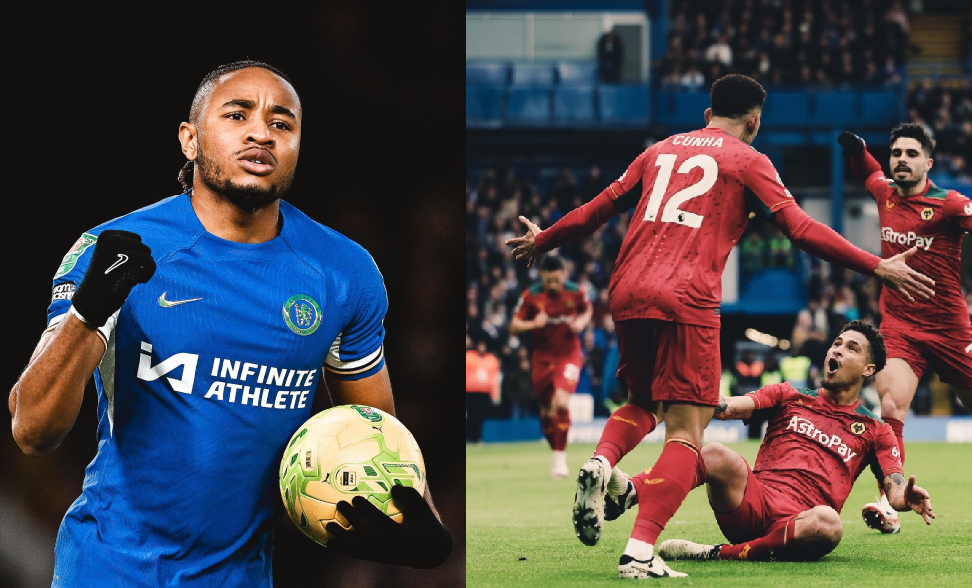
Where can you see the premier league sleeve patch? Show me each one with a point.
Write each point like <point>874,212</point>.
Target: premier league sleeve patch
<point>63,291</point>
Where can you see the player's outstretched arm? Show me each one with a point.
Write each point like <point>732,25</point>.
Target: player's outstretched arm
<point>574,226</point>
<point>45,401</point>
<point>734,407</point>
<point>821,241</point>
<point>908,496</point>
<point>421,540</point>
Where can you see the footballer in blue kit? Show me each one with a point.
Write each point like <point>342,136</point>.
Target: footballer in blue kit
<point>208,321</point>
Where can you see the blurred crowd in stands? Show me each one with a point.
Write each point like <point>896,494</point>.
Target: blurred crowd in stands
<point>945,109</point>
<point>827,43</point>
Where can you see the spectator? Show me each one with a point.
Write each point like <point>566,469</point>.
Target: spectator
<point>482,388</point>
<point>517,385</point>
<point>610,55</point>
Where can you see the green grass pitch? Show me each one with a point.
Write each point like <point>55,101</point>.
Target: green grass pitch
<point>519,532</point>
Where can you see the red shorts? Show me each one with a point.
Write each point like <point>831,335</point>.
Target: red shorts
<point>950,352</point>
<point>555,373</point>
<point>761,512</point>
<point>667,361</point>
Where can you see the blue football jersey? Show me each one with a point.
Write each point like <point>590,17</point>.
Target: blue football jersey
<point>210,368</point>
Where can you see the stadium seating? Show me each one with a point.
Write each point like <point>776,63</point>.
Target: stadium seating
<point>881,108</point>
<point>574,105</point>
<point>533,74</point>
<point>484,105</point>
<point>495,74</point>
<point>688,108</point>
<point>583,72</point>
<point>835,108</point>
<point>623,105</point>
<point>784,108</point>
<point>528,106</point>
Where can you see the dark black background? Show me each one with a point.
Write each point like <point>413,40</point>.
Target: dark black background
<point>93,101</point>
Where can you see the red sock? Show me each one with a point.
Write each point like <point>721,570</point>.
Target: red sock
<point>623,432</point>
<point>762,549</point>
<point>547,426</point>
<point>663,488</point>
<point>898,428</point>
<point>561,424</point>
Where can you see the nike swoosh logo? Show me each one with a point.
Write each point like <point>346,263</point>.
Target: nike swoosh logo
<point>122,258</point>
<point>167,303</point>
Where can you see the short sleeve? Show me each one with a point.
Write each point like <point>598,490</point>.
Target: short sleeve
<point>67,279</point>
<point>358,352</point>
<point>770,396</point>
<point>524,307</point>
<point>958,209</point>
<point>763,180</point>
<point>886,450</point>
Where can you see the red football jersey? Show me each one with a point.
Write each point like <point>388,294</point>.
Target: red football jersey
<point>936,221</point>
<point>555,338</point>
<point>691,212</point>
<point>814,449</point>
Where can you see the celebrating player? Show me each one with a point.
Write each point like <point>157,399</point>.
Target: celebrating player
<point>916,212</point>
<point>666,295</point>
<point>555,312</point>
<point>817,442</point>
<point>208,321</point>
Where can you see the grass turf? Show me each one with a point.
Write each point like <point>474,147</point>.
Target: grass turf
<point>519,532</point>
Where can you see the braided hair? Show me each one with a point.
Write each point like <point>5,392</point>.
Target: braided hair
<point>203,92</point>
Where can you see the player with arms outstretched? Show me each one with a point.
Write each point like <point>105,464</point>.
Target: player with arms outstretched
<point>554,311</point>
<point>817,443</point>
<point>698,189</point>
<point>916,212</point>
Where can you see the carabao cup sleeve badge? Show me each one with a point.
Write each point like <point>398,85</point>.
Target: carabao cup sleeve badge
<point>302,314</point>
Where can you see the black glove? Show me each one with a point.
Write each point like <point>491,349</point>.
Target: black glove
<point>851,143</point>
<point>120,261</point>
<point>419,541</point>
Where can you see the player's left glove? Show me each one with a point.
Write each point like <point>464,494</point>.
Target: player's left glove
<point>851,143</point>
<point>419,541</point>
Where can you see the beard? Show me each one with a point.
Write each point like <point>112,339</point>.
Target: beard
<point>246,198</point>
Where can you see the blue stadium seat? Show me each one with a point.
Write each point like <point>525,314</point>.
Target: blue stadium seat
<point>483,105</point>
<point>583,72</point>
<point>835,108</point>
<point>497,74</point>
<point>528,105</point>
<point>574,105</point>
<point>688,109</point>
<point>881,108</point>
<point>533,74</point>
<point>786,109</point>
<point>623,105</point>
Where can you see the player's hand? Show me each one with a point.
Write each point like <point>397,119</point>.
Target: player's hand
<point>577,326</point>
<point>540,320</point>
<point>119,262</point>
<point>419,541</point>
<point>722,410</point>
<point>919,500</point>
<point>894,272</point>
<point>851,143</point>
<point>523,247</point>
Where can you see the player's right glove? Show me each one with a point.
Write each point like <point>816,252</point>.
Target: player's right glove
<point>419,541</point>
<point>120,261</point>
<point>851,143</point>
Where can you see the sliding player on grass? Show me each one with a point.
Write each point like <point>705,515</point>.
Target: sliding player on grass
<point>817,442</point>
<point>914,211</point>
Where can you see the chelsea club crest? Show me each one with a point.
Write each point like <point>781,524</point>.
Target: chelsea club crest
<point>302,314</point>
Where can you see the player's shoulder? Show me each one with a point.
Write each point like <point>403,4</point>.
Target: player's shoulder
<point>320,246</point>
<point>570,286</point>
<point>163,226</point>
<point>534,289</point>
<point>867,413</point>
